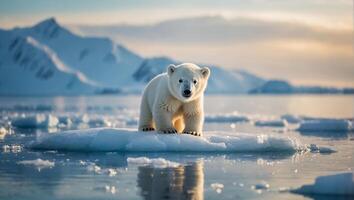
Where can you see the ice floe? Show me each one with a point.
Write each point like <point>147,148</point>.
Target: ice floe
<point>260,186</point>
<point>156,162</point>
<point>322,125</point>
<point>338,184</point>
<point>272,123</point>
<point>320,149</point>
<point>218,187</point>
<point>130,140</point>
<point>63,121</point>
<point>39,163</point>
<point>92,167</point>
<point>12,148</point>
<point>292,119</point>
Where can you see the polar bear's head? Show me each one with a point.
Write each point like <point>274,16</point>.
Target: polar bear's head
<point>187,81</point>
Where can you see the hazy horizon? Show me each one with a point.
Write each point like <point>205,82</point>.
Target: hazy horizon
<point>307,43</point>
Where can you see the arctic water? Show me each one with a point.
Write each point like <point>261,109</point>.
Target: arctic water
<point>50,174</point>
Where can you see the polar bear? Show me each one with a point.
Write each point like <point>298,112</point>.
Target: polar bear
<point>172,102</point>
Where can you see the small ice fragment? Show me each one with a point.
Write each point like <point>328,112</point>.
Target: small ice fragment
<point>14,148</point>
<point>94,168</point>
<point>218,187</point>
<point>292,119</point>
<point>100,121</point>
<point>320,149</point>
<point>6,148</point>
<point>83,162</point>
<point>38,163</point>
<point>261,186</point>
<point>157,162</point>
<point>273,123</point>
<point>112,172</point>
<point>111,189</point>
<point>321,125</point>
<point>107,189</point>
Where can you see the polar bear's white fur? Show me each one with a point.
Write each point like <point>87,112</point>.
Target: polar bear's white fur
<point>173,102</point>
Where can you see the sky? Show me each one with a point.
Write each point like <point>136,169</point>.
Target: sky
<point>302,60</point>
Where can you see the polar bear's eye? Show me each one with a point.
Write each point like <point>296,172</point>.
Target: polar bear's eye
<point>180,80</point>
<point>195,81</point>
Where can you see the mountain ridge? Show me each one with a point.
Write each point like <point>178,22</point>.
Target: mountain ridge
<point>49,59</point>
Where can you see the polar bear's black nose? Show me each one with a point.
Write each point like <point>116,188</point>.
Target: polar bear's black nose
<point>187,93</point>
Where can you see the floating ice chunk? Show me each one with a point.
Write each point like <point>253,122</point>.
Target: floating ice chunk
<point>292,119</point>
<point>273,123</point>
<point>36,121</point>
<point>338,184</point>
<point>112,172</point>
<point>14,148</point>
<point>65,121</point>
<point>320,149</point>
<point>218,187</point>
<point>228,118</point>
<point>156,162</point>
<point>322,125</point>
<point>261,186</point>
<point>39,163</point>
<point>107,189</point>
<point>92,167</point>
<point>129,140</point>
<point>80,119</point>
<point>111,189</point>
<point>6,148</point>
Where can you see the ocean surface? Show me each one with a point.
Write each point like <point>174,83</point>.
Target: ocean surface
<point>163,175</point>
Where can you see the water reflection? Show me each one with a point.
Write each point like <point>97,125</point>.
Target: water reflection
<point>182,182</point>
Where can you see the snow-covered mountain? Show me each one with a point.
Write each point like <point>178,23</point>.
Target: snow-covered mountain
<point>100,59</point>
<point>30,68</point>
<point>48,59</point>
<point>221,81</point>
<point>284,87</point>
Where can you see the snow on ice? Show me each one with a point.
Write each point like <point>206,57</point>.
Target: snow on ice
<point>321,125</point>
<point>129,140</point>
<point>273,123</point>
<point>39,163</point>
<point>156,162</point>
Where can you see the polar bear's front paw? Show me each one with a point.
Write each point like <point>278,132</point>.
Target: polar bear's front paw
<point>169,131</point>
<point>195,133</point>
<point>147,129</point>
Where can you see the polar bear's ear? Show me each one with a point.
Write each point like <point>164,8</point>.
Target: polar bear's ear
<point>170,69</point>
<point>205,72</point>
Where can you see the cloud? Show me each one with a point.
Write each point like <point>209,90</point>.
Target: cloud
<point>299,52</point>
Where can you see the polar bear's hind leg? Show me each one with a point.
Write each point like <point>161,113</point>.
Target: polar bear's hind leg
<point>145,120</point>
